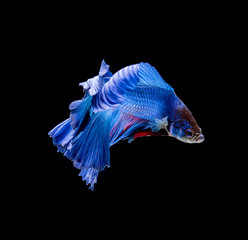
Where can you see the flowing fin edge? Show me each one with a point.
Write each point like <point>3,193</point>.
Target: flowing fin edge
<point>158,124</point>
<point>89,150</point>
<point>149,76</point>
<point>90,176</point>
<point>125,125</point>
<point>94,85</point>
<point>62,135</point>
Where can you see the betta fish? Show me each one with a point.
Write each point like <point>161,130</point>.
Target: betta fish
<point>134,102</point>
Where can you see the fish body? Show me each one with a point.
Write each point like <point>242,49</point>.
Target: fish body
<point>132,103</point>
<point>149,102</point>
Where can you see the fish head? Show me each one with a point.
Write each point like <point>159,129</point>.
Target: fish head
<point>185,127</point>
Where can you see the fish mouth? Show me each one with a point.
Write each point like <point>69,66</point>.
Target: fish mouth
<point>200,138</point>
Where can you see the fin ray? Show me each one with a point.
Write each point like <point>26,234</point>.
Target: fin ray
<point>89,150</point>
<point>149,76</point>
<point>125,125</point>
<point>94,85</point>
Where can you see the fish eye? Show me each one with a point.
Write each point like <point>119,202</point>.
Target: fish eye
<point>189,133</point>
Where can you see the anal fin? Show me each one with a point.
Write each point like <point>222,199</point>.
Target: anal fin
<point>145,133</point>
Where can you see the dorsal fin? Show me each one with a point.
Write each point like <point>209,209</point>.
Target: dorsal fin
<point>112,93</point>
<point>94,85</point>
<point>149,76</point>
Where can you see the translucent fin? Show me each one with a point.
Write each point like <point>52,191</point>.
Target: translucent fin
<point>111,94</point>
<point>64,132</point>
<point>158,124</point>
<point>90,148</point>
<point>93,85</point>
<point>80,114</point>
<point>125,125</point>
<point>104,71</point>
<point>149,76</point>
<point>62,135</point>
<point>90,176</point>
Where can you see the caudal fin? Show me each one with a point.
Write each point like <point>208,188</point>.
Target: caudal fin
<point>89,150</point>
<point>62,135</point>
<point>83,137</point>
<point>64,132</point>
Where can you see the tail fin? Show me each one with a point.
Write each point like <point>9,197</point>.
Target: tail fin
<point>84,139</point>
<point>78,137</point>
<point>64,132</point>
<point>89,150</point>
<point>90,176</point>
<point>89,147</point>
<point>62,135</point>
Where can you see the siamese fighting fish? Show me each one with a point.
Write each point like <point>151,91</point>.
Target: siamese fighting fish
<point>134,102</point>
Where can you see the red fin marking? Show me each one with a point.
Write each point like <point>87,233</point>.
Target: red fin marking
<point>128,125</point>
<point>128,119</point>
<point>144,134</point>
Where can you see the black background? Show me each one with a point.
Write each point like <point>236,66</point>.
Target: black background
<point>157,176</point>
<point>155,166</point>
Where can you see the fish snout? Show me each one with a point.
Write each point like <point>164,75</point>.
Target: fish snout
<point>200,138</point>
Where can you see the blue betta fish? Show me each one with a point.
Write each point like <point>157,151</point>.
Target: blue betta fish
<point>133,102</point>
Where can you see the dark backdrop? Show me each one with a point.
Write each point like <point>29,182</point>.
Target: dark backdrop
<point>159,180</point>
<point>157,171</point>
<point>154,165</point>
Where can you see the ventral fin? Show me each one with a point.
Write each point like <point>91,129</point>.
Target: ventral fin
<point>145,133</point>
